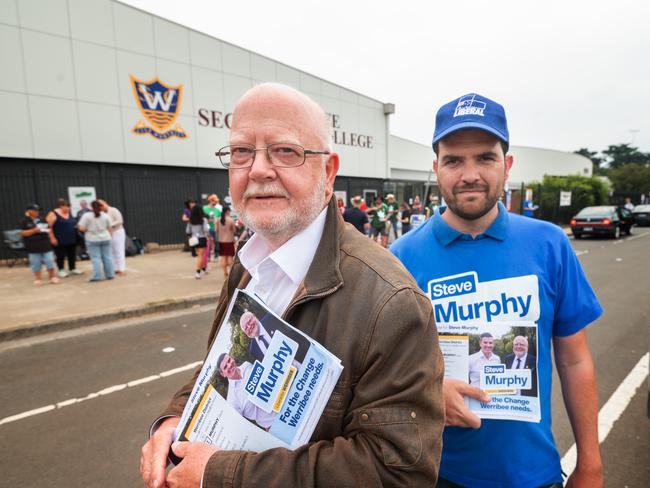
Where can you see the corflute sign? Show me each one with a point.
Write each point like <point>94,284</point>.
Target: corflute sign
<point>462,298</point>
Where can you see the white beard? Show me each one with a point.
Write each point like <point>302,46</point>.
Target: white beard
<point>291,221</point>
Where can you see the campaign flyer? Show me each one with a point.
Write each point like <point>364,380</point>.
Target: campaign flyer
<point>264,384</point>
<point>488,337</point>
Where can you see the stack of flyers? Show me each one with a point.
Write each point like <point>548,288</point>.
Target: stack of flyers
<point>264,384</point>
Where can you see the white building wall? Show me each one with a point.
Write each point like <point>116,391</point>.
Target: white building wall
<point>532,163</point>
<point>66,79</point>
<point>409,160</point>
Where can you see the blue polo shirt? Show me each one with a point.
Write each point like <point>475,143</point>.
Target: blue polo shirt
<point>520,277</point>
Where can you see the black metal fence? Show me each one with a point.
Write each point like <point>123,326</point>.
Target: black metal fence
<point>149,197</point>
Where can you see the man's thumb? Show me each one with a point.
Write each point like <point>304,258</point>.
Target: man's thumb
<point>180,448</point>
<point>476,393</point>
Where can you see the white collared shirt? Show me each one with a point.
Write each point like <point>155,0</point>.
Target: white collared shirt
<point>240,401</point>
<point>476,363</point>
<point>276,275</point>
<point>522,364</point>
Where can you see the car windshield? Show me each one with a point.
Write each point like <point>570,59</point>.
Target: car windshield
<point>641,208</point>
<point>596,212</point>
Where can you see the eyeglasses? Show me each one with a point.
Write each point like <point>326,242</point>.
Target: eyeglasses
<point>281,155</point>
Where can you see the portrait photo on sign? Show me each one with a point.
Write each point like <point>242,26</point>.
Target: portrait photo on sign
<point>503,359</point>
<point>249,331</point>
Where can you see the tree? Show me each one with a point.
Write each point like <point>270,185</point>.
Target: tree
<point>585,192</point>
<point>596,160</point>
<point>621,154</point>
<point>631,178</point>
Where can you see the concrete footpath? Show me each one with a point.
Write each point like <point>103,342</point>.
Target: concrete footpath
<point>156,282</point>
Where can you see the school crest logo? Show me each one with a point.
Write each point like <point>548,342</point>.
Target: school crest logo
<point>160,105</point>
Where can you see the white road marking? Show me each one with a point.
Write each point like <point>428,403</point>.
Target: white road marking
<point>613,409</point>
<point>102,392</point>
<point>620,241</point>
<point>169,349</point>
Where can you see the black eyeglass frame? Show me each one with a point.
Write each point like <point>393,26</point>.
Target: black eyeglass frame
<point>306,152</point>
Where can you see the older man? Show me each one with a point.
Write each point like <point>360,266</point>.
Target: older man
<point>261,332</point>
<point>382,424</point>
<point>521,359</point>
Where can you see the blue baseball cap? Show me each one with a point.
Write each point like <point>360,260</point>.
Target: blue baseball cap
<point>471,111</point>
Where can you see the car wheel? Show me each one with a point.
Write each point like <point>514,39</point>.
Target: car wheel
<point>617,233</point>
<point>577,235</point>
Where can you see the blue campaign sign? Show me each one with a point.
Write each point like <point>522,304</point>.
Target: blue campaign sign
<point>497,376</point>
<point>453,286</point>
<point>300,397</point>
<point>265,380</point>
<point>254,378</point>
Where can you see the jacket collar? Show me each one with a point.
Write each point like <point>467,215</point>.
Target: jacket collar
<point>324,273</point>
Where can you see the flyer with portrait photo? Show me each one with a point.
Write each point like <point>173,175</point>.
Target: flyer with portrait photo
<point>500,359</point>
<point>264,384</point>
<point>487,333</point>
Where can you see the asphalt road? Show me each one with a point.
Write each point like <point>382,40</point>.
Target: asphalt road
<point>95,442</point>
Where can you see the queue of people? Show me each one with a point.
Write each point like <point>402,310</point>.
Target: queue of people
<point>386,217</point>
<point>211,234</point>
<point>97,232</point>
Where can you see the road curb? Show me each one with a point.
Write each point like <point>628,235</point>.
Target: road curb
<point>76,321</point>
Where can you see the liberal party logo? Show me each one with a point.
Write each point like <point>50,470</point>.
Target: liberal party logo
<point>160,105</point>
<point>468,105</point>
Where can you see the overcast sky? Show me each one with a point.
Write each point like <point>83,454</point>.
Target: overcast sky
<point>571,73</point>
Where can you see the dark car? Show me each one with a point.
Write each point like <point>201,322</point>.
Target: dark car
<point>641,215</point>
<point>605,220</point>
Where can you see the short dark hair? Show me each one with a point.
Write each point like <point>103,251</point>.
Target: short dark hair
<point>97,208</point>
<point>219,359</point>
<point>197,215</point>
<point>486,334</point>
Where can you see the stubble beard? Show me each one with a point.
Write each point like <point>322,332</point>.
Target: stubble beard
<point>286,224</point>
<point>464,210</point>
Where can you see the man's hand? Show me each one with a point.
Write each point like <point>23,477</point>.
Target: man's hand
<point>189,472</point>
<point>456,412</point>
<point>153,459</point>
<point>583,478</point>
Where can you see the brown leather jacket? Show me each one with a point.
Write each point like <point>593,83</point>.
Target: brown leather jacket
<point>383,423</point>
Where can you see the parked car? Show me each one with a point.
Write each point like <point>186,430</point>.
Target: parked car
<point>605,220</point>
<point>641,215</point>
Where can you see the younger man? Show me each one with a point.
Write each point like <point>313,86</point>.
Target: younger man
<point>474,255</point>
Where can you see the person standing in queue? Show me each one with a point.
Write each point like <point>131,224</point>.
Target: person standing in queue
<point>96,227</point>
<point>64,234</point>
